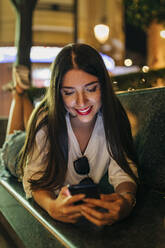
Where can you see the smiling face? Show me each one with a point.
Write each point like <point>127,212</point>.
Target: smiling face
<point>81,96</point>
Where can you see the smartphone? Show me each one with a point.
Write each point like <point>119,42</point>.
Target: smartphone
<point>90,190</point>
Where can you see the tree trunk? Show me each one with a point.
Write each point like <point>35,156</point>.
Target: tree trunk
<point>23,40</point>
<point>155,46</point>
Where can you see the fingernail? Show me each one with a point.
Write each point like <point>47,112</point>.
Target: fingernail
<point>83,208</point>
<point>82,195</point>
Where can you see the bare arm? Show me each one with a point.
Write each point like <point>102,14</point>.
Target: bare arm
<point>128,191</point>
<point>61,208</point>
<point>43,198</point>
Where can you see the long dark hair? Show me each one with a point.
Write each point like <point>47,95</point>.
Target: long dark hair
<point>117,127</point>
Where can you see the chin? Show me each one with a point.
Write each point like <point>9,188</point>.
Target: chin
<point>86,119</point>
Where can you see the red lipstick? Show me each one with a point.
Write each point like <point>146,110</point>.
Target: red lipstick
<point>84,111</point>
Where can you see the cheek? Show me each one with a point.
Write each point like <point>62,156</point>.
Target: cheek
<point>97,99</point>
<point>68,102</point>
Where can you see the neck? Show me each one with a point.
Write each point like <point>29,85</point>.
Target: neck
<point>76,124</point>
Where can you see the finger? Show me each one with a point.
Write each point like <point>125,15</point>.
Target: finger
<point>75,198</point>
<point>109,197</point>
<point>67,210</point>
<point>72,218</point>
<point>88,205</point>
<point>75,216</point>
<point>96,213</point>
<point>98,203</point>
<point>67,220</point>
<point>97,222</point>
<point>99,218</point>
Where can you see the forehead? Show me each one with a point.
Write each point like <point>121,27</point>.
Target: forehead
<point>77,77</point>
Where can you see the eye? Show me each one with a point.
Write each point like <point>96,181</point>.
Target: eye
<point>68,93</point>
<point>92,89</point>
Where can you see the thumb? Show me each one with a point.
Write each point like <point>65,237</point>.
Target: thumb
<point>65,191</point>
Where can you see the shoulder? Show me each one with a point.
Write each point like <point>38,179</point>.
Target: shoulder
<point>41,135</point>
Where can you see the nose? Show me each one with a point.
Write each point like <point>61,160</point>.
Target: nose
<point>81,99</point>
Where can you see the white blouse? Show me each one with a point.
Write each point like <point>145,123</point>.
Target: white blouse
<point>96,152</point>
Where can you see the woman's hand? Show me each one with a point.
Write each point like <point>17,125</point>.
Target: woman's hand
<point>63,209</point>
<point>116,208</point>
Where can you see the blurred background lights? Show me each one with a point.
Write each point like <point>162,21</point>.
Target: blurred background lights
<point>7,54</point>
<point>37,54</point>
<point>41,77</point>
<point>109,62</point>
<point>162,34</point>
<point>128,62</point>
<point>1,57</point>
<point>44,54</point>
<point>145,68</point>
<point>101,32</point>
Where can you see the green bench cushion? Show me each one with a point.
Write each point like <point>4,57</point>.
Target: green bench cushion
<point>149,108</point>
<point>143,228</point>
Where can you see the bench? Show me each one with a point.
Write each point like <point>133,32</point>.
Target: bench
<point>30,226</point>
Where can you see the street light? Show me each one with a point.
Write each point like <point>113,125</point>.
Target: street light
<point>162,34</point>
<point>101,32</point>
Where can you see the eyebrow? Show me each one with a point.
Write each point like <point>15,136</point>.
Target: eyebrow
<point>86,85</point>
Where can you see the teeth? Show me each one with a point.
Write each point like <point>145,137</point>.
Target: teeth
<point>83,111</point>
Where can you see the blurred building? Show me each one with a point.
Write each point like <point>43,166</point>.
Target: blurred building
<point>54,25</point>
